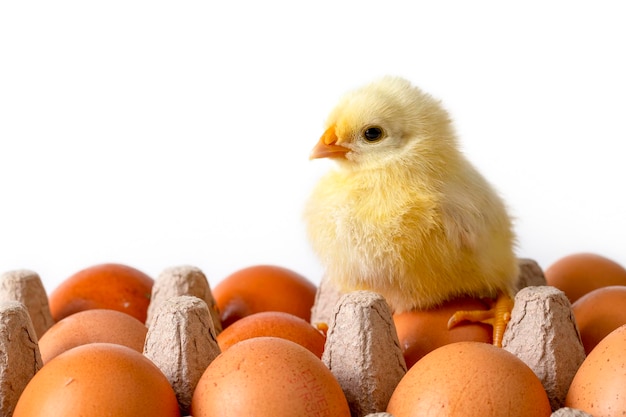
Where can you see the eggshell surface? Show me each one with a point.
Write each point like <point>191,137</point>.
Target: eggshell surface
<point>98,380</point>
<point>422,331</point>
<point>469,379</point>
<point>113,286</point>
<point>598,313</point>
<point>580,273</point>
<point>92,326</point>
<point>263,288</point>
<point>268,376</point>
<point>599,386</point>
<point>273,323</point>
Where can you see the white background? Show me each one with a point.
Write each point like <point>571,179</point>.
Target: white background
<point>164,133</point>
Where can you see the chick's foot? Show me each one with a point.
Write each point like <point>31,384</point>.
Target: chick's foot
<point>497,316</point>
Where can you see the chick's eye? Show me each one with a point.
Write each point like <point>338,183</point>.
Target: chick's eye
<point>372,134</point>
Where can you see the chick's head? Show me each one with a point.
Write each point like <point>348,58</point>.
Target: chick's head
<point>385,121</point>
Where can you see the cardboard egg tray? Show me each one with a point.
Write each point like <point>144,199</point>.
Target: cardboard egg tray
<point>362,348</point>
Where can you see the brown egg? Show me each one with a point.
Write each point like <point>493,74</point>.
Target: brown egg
<point>98,380</point>
<point>598,313</point>
<point>263,288</point>
<point>580,273</point>
<point>469,379</point>
<point>92,326</point>
<point>599,386</point>
<point>268,376</point>
<point>277,324</point>
<point>113,286</point>
<point>421,331</point>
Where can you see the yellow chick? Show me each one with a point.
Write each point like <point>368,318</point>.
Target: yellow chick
<point>404,213</point>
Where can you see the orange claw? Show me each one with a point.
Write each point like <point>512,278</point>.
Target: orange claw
<point>322,328</point>
<point>497,316</point>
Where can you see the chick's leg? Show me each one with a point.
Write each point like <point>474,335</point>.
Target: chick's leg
<point>497,316</point>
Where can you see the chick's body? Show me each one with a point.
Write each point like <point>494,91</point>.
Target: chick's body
<point>405,214</point>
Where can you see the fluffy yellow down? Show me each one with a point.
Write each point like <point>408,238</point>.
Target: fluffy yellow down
<point>407,215</point>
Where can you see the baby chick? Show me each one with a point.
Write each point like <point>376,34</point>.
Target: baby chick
<point>404,213</point>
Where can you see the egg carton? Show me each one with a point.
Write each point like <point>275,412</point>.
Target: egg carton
<point>362,348</point>
<point>542,332</point>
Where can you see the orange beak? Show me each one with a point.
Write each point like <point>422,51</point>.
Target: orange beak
<point>327,146</point>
